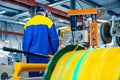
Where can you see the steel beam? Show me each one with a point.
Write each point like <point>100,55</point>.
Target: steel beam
<point>13,2</point>
<point>28,3</point>
<point>61,17</point>
<point>65,6</point>
<point>52,10</point>
<point>93,4</point>
<point>11,33</point>
<point>73,18</point>
<point>11,19</point>
<point>118,0</point>
<point>112,5</point>
<point>6,7</point>
<point>83,12</point>
<point>79,4</point>
<point>21,14</point>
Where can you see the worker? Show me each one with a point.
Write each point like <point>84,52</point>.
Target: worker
<point>40,36</point>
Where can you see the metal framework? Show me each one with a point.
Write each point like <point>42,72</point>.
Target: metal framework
<point>11,33</point>
<point>54,11</point>
<point>15,3</point>
<point>27,3</point>
<point>93,26</point>
<point>93,4</point>
<point>83,12</point>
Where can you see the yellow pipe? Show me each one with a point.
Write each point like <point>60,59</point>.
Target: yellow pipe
<point>23,67</point>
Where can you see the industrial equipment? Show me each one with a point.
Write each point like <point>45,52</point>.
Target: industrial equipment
<point>105,32</point>
<point>96,64</point>
<point>80,37</point>
<point>115,29</point>
<point>93,33</point>
<point>104,36</point>
<point>101,34</point>
<point>109,33</point>
<point>22,67</point>
<point>6,70</point>
<point>75,63</point>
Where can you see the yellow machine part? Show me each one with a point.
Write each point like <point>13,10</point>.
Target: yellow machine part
<point>96,64</point>
<point>26,67</point>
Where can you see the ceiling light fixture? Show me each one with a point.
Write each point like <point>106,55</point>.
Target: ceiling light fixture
<point>2,12</point>
<point>26,19</point>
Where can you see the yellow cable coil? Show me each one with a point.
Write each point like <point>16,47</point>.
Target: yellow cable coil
<point>97,64</point>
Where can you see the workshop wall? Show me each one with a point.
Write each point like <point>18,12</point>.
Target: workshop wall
<point>8,40</point>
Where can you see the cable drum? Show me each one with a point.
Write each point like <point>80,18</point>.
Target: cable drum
<point>94,64</point>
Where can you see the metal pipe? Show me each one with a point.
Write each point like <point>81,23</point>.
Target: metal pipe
<point>73,19</point>
<point>72,4</point>
<point>11,33</point>
<point>13,21</point>
<point>24,52</point>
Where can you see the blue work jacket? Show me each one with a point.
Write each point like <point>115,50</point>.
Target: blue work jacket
<point>40,36</point>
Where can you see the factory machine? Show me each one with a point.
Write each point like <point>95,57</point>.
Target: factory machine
<point>7,61</point>
<point>6,69</point>
<point>74,62</point>
<point>107,31</point>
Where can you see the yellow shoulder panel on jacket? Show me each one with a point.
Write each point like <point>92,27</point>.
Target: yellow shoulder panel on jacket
<point>37,20</point>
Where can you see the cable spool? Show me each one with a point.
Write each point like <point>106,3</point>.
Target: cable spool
<point>96,64</point>
<point>105,33</point>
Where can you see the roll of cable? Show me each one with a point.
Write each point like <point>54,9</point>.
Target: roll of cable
<point>94,64</point>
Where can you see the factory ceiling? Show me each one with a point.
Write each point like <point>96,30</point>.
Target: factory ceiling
<point>19,11</point>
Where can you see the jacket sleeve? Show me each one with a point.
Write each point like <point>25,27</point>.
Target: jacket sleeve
<point>54,41</point>
<point>27,37</point>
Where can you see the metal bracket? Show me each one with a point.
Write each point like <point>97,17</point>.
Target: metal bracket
<point>115,30</point>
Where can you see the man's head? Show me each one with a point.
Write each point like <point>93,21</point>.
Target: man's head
<point>41,10</point>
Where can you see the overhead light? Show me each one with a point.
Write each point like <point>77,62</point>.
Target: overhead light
<point>65,28</point>
<point>7,41</point>
<point>60,20</point>
<point>2,12</point>
<point>26,19</point>
<point>102,20</point>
